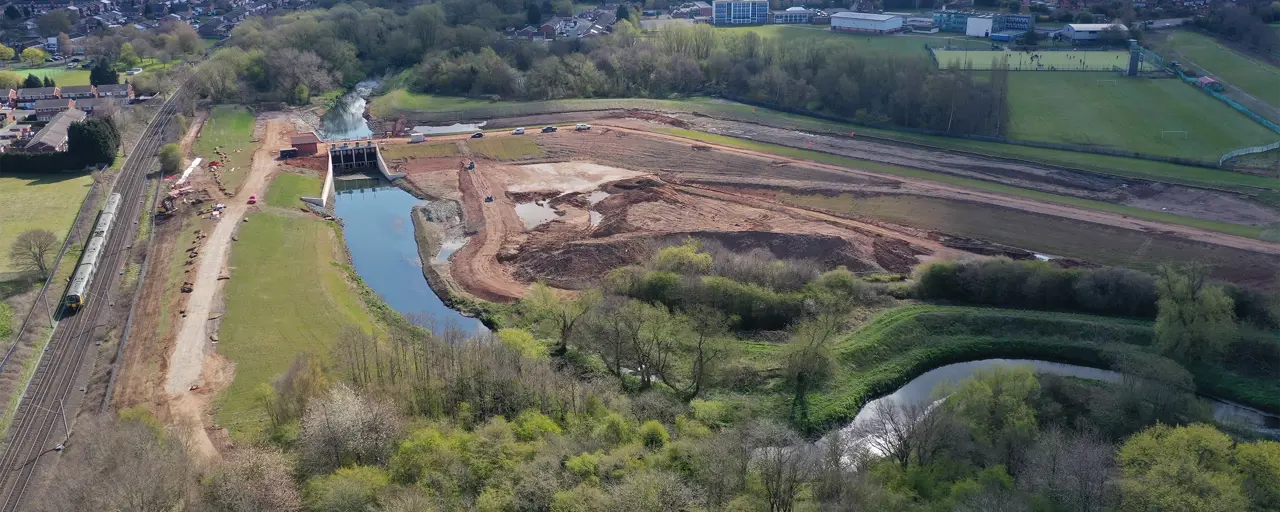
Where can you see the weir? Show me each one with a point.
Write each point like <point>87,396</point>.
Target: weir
<point>348,157</point>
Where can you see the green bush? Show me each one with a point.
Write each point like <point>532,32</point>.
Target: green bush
<point>532,425</point>
<point>1040,285</point>
<point>653,435</point>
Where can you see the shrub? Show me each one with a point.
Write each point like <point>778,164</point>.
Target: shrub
<point>522,341</point>
<point>353,488</point>
<point>1040,285</point>
<point>653,435</point>
<point>532,425</point>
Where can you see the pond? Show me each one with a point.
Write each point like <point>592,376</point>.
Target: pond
<point>920,390</point>
<point>345,119</point>
<point>379,235</point>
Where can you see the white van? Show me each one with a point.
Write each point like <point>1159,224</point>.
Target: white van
<point>517,131</point>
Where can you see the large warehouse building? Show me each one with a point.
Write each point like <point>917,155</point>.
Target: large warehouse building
<point>865,22</point>
<point>739,12</point>
<point>1093,31</point>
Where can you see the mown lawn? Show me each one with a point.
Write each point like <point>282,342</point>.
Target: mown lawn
<point>400,100</point>
<point>289,294</point>
<point>229,128</point>
<point>287,187</point>
<point>1129,115</point>
<point>1235,229</point>
<point>1258,78</point>
<point>512,147</point>
<point>419,150</point>
<point>48,201</point>
<point>906,45</point>
<point>60,74</point>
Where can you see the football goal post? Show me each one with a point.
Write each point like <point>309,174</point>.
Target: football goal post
<point>1107,81</point>
<point>1176,134</point>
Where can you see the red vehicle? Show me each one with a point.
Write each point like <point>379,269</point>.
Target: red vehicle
<point>253,199</point>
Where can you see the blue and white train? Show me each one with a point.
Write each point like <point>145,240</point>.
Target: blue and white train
<point>76,297</point>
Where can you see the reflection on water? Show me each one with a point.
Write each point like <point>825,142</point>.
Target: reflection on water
<point>535,214</point>
<point>345,120</point>
<point>379,234</point>
<point>447,248</point>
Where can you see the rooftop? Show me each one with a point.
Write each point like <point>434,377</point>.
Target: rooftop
<point>1093,27</point>
<point>37,91</point>
<point>55,133</point>
<point>306,138</point>
<point>862,16</point>
<point>54,103</point>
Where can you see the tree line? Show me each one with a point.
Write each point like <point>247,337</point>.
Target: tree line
<point>91,142</point>
<point>1246,23</point>
<point>459,50</point>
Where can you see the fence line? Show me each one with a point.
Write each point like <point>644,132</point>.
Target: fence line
<point>1248,151</point>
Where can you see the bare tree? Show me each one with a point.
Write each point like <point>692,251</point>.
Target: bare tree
<point>126,464</point>
<point>782,460</point>
<point>252,479</point>
<point>33,250</point>
<point>1074,470</point>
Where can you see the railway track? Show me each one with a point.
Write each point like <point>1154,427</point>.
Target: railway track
<point>42,423</point>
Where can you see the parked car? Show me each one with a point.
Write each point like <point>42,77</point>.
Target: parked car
<point>134,71</point>
<point>477,135</point>
<point>517,131</point>
<point>549,129</point>
<point>253,199</point>
<point>582,127</point>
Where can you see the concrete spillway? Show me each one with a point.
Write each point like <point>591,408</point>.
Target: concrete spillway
<point>351,157</point>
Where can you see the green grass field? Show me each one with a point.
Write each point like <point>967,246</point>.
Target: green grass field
<point>60,74</point>
<point>288,295</point>
<point>1045,234</point>
<point>1129,114</point>
<point>47,201</point>
<point>420,150</point>
<point>506,148</point>
<point>1047,61</point>
<point>399,100</point>
<point>230,129</point>
<point>287,187</point>
<point>1258,78</point>
<point>1234,229</point>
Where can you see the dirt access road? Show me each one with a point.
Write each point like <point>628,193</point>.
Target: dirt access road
<point>191,348</point>
<point>935,189</point>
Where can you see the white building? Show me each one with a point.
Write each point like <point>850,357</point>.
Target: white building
<point>1092,31</point>
<point>978,26</point>
<point>865,22</point>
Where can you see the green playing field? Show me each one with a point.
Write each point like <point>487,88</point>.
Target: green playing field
<point>1036,61</point>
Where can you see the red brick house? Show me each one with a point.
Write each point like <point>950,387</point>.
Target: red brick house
<point>46,109</point>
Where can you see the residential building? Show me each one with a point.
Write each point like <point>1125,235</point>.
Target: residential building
<point>53,137</point>
<point>78,91</point>
<point>792,15</point>
<point>739,12</point>
<point>27,98</point>
<point>46,109</point>
<point>1085,32</point>
<point>122,91</point>
<point>94,106</point>
<point>865,22</point>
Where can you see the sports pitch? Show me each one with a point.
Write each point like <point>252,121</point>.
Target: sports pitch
<point>1036,61</point>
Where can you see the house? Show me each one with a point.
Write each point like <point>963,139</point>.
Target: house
<point>53,137</point>
<point>27,98</point>
<point>123,91</point>
<point>47,109</point>
<point>94,106</point>
<point>306,144</point>
<point>527,33</point>
<point>78,91</point>
<point>212,27</point>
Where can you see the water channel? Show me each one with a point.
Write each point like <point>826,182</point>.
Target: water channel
<point>920,390</point>
<point>378,229</point>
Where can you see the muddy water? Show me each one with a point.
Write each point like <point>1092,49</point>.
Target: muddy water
<point>379,234</point>
<point>535,214</point>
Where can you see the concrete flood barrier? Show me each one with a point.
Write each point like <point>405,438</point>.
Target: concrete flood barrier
<point>348,157</point>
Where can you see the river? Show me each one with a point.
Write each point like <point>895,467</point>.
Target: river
<point>378,229</point>
<point>921,388</point>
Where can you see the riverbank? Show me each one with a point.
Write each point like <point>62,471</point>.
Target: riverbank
<point>429,238</point>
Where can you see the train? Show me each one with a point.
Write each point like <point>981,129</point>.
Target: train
<point>76,293</point>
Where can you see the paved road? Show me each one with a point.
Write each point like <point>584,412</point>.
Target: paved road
<point>48,406</point>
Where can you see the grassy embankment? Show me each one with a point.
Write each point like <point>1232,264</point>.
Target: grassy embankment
<point>48,201</point>
<point>287,188</point>
<point>1260,79</point>
<point>1234,229</point>
<point>506,148</point>
<point>1117,166</point>
<point>1045,233</point>
<point>229,128</point>
<point>1127,114</point>
<point>420,150</point>
<point>901,343</point>
<point>291,293</point>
